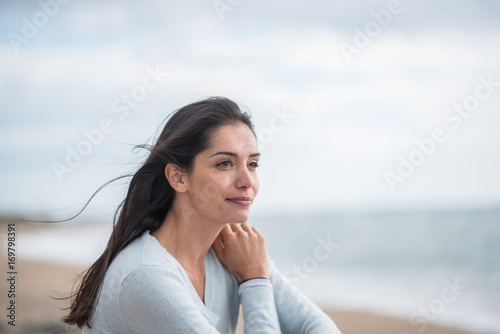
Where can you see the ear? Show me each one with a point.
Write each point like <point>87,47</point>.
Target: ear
<point>176,178</point>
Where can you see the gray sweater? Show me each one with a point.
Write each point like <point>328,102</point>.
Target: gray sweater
<point>146,290</point>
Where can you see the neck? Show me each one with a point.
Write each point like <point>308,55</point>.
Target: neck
<point>188,237</point>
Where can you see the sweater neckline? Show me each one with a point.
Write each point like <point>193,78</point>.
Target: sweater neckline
<point>207,291</point>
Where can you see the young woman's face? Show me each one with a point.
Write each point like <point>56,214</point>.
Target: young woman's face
<point>224,182</point>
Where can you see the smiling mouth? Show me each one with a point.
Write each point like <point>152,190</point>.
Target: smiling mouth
<point>245,201</point>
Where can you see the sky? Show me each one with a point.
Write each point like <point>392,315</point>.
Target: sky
<point>358,106</point>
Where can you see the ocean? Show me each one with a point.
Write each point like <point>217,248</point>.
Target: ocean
<point>438,267</point>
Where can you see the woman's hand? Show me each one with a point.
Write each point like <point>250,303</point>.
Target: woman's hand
<point>243,252</point>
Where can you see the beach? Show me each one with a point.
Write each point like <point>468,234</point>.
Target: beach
<point>38,312</point>
<point>50,258</point>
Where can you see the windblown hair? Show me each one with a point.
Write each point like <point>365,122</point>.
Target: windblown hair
<point>150,196</point>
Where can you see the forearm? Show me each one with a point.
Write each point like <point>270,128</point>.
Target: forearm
<point>259,310</point>
<point>296,312</point>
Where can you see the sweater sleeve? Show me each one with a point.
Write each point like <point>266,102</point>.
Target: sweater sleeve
<point>259,311</point>
<point>156,300</point>
<point>296,312</point>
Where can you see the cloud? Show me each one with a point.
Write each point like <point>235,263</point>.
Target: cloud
<point>353,119</point>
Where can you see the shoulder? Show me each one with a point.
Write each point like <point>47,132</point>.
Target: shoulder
<point>143,251</point>
<point>154,280</point>
<point>142,278</point>
<point>143,261</point>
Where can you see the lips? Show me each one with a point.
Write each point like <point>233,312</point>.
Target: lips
<point>245,201</point>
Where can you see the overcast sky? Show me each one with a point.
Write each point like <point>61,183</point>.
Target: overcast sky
<point>340,93</point>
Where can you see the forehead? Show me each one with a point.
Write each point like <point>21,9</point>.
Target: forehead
<point>234,137</point>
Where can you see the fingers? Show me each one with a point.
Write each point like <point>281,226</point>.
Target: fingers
<point>250,229</point>
<point>245,227</point>
<point>218,245</point>
<point>231,229</point>
<point>256,231</point>
<point>242,250</point>
<point>226,230</point>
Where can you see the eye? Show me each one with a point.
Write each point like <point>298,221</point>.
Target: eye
<point>227,163</point>
<point>254,164</point>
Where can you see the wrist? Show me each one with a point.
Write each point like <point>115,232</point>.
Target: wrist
<point>248,279</point>
<point>253,274</point>
<point>254,283</point>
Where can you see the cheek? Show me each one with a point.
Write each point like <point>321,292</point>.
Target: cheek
<point>212,186</point>
<point>210,191</point>
<point>256,184</point>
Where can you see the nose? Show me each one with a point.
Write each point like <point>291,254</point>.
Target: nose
<point>244,179</point>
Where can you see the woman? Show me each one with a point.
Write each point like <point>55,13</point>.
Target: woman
<point>181,257</point>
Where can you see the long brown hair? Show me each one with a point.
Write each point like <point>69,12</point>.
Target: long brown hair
<point>150,196</point>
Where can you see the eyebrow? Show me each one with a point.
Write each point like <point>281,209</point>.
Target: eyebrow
<point>233,154</point>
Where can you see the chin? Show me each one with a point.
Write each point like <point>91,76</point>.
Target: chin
<point>239,218</point>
